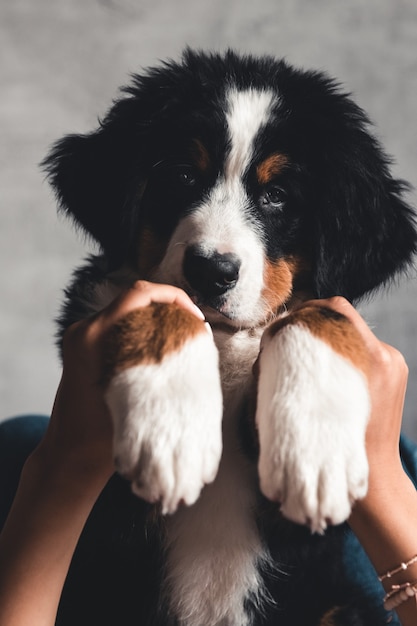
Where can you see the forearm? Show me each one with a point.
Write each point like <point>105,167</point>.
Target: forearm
<point>385,523</point>
<point>36,546</point>
<point>63,478</point>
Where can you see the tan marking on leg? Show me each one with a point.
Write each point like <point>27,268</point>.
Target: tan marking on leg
<point>331,327</point>
<point>271,167</point>
<point>147,335</point>
<point>329,618</point>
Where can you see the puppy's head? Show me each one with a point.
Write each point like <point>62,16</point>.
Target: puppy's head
<point>241,180</point>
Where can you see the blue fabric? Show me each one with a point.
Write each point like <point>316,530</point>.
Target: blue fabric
<point>18,437</point>
<point>409,457</point>
<point>358,566</point>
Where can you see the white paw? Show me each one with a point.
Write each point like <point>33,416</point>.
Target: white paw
<point>312,411</point>
<point>167,424</point>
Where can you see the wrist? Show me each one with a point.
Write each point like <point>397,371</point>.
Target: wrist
<point>386,486</point>
<point>77,445</point>
<point>81,474</point>
<point>53,501</point>
<point>384,520</point>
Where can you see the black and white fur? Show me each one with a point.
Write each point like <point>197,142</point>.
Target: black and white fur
<point>177,186</point>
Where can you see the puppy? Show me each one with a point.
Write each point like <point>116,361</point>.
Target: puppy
<point>253,186</point>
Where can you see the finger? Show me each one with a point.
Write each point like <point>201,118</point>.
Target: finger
<point>142,294</point>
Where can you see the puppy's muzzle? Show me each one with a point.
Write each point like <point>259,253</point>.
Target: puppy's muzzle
<point>210,274</point>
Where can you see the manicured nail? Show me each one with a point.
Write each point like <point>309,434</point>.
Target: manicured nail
<point>199,312</point>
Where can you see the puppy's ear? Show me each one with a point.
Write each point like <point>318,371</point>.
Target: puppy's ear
<point>96,183</point>
<point>365,233</point>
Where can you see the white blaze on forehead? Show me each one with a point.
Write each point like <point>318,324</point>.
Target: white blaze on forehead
<point>247,112</point>
<point>219,223</point>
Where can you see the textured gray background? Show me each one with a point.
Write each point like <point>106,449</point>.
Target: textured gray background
<point>61,62</point>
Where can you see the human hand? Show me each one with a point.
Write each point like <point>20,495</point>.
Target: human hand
<point>79,436</point>
<point>63,477</point>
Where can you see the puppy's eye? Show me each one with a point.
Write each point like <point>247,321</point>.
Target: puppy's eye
<point>186,177</point>
<point>273,198</point>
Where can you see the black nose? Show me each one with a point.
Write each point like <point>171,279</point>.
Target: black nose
<point>210,274</point>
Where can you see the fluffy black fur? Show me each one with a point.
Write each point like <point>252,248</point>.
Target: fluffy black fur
<point>352,218</point>
<point>349,220</point>
<point>116,572</point>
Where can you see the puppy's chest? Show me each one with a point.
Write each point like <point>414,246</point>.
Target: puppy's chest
<point>214,550</point>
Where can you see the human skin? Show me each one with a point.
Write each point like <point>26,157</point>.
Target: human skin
<point>63,477</point>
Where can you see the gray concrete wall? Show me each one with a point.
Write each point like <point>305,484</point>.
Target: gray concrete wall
<point>61,62</point>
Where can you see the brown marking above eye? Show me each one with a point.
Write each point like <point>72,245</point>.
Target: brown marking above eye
<point>271,167</point>
<point>200,155</point>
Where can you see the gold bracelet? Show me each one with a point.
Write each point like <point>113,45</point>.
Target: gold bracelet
<point>399,594</point>
<point>401,568</point>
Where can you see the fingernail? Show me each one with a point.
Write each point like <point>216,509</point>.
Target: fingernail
<point>199,312</point>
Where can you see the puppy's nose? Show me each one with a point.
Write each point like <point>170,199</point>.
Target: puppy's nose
<point>210,274</point>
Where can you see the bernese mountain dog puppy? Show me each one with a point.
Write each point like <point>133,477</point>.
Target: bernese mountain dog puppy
<point>253,186</point>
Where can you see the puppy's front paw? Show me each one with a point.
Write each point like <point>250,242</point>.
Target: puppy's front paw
<point>312,412</point>
<point>166,406</point>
